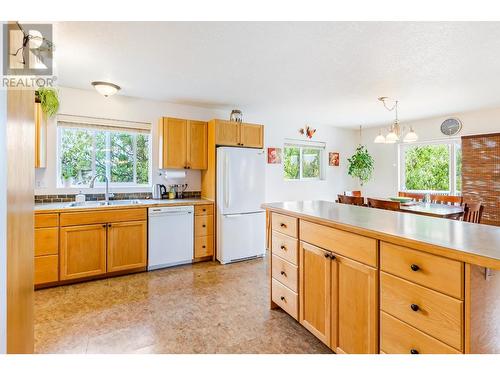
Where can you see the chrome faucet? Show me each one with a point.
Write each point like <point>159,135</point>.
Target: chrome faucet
<point>107,194</point>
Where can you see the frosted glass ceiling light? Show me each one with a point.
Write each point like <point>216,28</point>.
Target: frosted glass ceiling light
<point>106,88</point>
<point>411,136</point>
<point>379,138</point>
<point>396,131</point>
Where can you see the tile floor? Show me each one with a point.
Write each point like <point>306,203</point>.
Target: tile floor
<point>203,308</point>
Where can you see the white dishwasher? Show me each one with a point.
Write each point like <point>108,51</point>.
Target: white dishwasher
<point>171,238</point>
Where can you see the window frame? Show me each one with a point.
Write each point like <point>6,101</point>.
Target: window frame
<point>452,144</point>
<point>107,131</point>
<point>301,146</point>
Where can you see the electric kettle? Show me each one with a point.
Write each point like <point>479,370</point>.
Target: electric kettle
<point>159,191</point>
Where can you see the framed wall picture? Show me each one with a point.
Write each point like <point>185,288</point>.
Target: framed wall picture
<point>273,155</point>
<point>333,159</point>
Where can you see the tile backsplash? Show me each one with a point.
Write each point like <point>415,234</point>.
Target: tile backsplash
<point>100,197</point>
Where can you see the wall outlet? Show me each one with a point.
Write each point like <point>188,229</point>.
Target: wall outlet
<point>40,184</point>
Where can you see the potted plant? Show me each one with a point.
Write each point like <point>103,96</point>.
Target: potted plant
<point>49,100</point>
<point>67,175</point>
<point>361,165</point>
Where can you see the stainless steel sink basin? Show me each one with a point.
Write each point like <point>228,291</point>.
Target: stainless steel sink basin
<point>123,202</point>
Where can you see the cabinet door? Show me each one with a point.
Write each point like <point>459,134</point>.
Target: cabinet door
<point>127,245</point>
<point>355,303</point>
<point>227,133</point>
<point>315,291</point>
<point>82,251</point>
<point>197,144</point>
<point>174,143</point>
<point>252,135</point>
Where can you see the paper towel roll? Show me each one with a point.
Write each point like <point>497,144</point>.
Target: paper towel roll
<point>175,174</point>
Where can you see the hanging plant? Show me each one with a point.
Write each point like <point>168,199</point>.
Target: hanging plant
<point>361,165</point>
<point>49,100</point>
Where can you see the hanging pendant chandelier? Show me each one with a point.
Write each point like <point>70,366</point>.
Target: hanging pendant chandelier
<point>396,131</point>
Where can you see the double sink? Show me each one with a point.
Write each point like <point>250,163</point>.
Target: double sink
<point>124,202</point>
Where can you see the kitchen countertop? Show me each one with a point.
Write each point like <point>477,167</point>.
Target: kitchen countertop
<point>473,243</point>
<point>143,203</point>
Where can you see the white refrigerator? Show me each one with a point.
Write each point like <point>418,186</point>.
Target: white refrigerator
<point>241,222</point>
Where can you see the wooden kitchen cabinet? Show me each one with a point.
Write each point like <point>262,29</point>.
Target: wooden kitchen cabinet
<point>315,270</point>
<point>82,251</point>
<point>126,245</point>
<point>251,135</point>
<point>354,307</point>
<point>183,144</point>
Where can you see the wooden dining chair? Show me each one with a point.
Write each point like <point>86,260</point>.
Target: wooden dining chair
<point>451,200</point>
<point>473,212</point>
<point>416,196</point>
<point>352,193</point>
<point>355,201</point>
<point>383,204</point>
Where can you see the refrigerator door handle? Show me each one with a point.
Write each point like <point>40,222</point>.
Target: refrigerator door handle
<point>226,181</point>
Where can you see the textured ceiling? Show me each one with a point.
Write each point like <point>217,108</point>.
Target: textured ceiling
<point>325,73</point>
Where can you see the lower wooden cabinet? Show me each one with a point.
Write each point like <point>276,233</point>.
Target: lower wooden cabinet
<point>127,246</point>
<point>338,300</point>
<point>315,291</point>
<point>82,251</point>
<point>46,269</point>
<point>355,307</point>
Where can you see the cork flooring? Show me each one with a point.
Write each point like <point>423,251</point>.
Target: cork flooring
<point>201,308</point>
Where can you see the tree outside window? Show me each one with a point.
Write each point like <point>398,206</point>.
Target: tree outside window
<point>302,162</point>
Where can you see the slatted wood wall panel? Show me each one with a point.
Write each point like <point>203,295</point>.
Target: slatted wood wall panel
<point>481,174</point>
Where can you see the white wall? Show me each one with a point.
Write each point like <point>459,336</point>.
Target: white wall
<point>385,181</point>
<point>90,103</point>
<point>3,211</point>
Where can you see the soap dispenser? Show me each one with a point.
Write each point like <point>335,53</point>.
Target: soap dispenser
<point>80,197</point>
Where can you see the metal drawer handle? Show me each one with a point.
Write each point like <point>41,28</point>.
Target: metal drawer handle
<point>283,225</point>
<point>283,247</point>
<point>283,273</point>
<point>283,298</point>
<point>414,307</point>
<point>327,255</point>
<point>414,267</point>
<point>414,351</point>
<point>203,246</point>
<point>204,226</point>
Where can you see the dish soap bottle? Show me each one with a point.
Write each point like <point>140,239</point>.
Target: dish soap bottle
<point>80,197</point>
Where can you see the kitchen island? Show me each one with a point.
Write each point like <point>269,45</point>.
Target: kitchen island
<point>365,280</point>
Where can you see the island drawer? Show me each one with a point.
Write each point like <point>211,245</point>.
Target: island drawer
<point>204,209</point>
<point>285,298</point>
<point>434,313</point>
<point>46,220</point>
<point>350,245</point>
<point>286,273</point>
<point>46,241</point>
<point>203,246</point>
<point>204,225</point>
<point>285,247</point>
<point>46,269</point>
<point>397,337</point>
<point>435,272</point>
<point>285,224</point>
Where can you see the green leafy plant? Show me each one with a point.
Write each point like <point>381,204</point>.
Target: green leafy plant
<point>49,100</point>
<point>361,165</point>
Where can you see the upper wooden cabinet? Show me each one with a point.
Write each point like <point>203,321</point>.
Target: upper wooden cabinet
<point>183,144</point>
<point>234,134</point>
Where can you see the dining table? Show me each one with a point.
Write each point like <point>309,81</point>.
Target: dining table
<point>433,209</point>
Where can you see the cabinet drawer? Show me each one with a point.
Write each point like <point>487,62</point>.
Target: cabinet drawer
<point>204,225</point>
<point>104,216</point>
<point>286,273</point>
<point>350,245</point>
<point>285,247</point>
<point>46,220</point>
<point>203,246</point>
<point>285,298</point>
<point>204,209</point>
<point>432,271</point>
<point>46,241</point>
<point>284,224</point>
<point>397,337</point>
<point>46,269</point>
<point>434,313</point>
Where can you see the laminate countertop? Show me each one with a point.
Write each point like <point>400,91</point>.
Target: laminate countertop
<point>472,243</point>
<point>141,203</point>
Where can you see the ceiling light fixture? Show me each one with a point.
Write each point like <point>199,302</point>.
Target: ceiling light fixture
<point>106,88</point>
<point>395,130</point>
